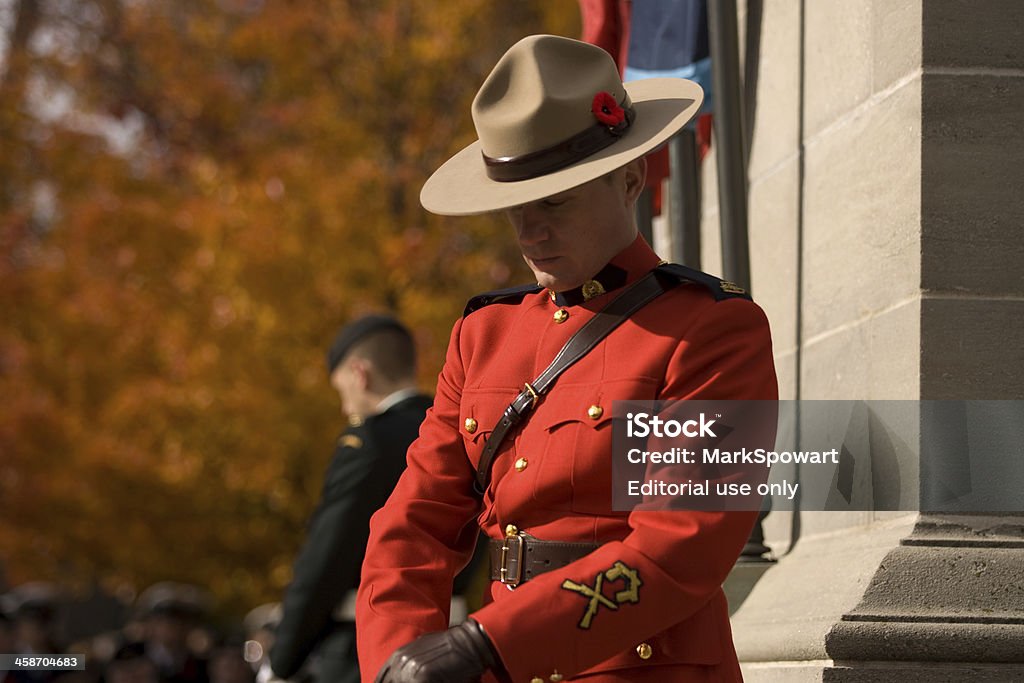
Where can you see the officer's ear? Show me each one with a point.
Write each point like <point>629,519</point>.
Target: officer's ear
<point>634,177</point>
<point>362,371</point>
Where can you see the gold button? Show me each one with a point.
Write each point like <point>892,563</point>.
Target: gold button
<point>594,412</point>
<point>511,530</point>
<point>561,315</point>
<point>470,425</point>
<point>536,679</point>
<point>644,650</point>
<point>522,464</point>
<point>551,294</point>
<point>555,677</point>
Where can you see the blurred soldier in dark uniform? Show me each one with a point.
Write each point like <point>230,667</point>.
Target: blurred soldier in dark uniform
<point>372,365</point>
<point>170,612</point>
<point>579,590</point>
<point>227,660</point>
<point>35,606</point>
<point>6,638</point>
<point>131,665</point>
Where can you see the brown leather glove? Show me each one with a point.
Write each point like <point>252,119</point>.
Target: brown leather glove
<point>462,654</point>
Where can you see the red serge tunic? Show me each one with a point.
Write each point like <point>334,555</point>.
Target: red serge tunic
<point>687,344</point>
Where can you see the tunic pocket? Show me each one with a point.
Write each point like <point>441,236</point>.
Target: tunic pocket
<point>575,466</point>
<point>478,414</point>
<point>575,424</point>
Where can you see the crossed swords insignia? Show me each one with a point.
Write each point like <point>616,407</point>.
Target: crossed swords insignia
<point>595,595</point>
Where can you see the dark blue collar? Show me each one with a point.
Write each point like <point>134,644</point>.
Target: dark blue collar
<point>609,278</point>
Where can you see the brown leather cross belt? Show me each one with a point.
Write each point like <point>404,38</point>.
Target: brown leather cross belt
<point>520,557</point>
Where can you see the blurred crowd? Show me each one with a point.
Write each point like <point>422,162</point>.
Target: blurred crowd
<point>165,636</point>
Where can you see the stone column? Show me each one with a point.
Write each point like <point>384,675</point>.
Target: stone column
<point>887,244</point>
<point>948,602</point>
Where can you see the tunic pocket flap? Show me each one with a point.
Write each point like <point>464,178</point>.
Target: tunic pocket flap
<point>479,414</point>
<point>584,405</point>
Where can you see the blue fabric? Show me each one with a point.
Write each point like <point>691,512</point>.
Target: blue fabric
<point>667,34</point>
<point>669,39</point>
<point>700,72</point>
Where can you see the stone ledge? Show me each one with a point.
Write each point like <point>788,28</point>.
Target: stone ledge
<point>947,585</point>
<point>791,608</point>
<point>913,672</point>
<point>890,641</point>
<point>980,530</point>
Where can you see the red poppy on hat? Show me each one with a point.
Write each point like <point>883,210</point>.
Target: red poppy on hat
<point>607,110</point>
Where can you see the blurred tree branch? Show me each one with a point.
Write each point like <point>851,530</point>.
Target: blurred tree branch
<point>195,194</point>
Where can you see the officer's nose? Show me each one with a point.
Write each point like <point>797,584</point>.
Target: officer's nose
<point>530,224</point>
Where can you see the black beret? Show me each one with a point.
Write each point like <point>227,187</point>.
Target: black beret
<point>357,329</point>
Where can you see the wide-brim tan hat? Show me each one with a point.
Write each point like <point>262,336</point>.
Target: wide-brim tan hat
<point>552,115</point>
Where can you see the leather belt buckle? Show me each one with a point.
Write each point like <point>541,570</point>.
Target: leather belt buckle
<point>510,563</point>
<point>532,393</point>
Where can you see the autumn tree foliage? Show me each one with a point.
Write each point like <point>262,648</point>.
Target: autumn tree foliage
<point>193,196</point>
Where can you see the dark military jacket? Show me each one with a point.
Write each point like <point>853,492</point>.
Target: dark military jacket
<point>367,463</point>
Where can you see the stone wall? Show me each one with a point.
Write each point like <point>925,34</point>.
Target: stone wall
<point>886,204</point>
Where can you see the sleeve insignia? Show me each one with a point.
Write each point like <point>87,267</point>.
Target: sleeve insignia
<point>718,288</point>
<point>731,287</point>
<point>595,597</point>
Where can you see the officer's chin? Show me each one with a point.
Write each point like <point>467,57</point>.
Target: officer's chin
<point>552,281</point>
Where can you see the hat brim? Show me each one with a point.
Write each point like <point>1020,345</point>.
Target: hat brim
<point>461,187</point>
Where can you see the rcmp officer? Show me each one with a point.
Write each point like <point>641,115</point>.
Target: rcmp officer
<point>596,594</point>
<point>372,365</point>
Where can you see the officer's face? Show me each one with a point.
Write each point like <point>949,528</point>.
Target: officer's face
<point>351,379</point>
<point>344,381</point>
<point>567,238</point>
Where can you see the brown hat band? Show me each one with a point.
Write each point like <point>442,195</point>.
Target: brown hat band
<point>557,157</point>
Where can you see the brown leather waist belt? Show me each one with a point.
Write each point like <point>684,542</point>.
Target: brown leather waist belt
<point>520,557</point>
